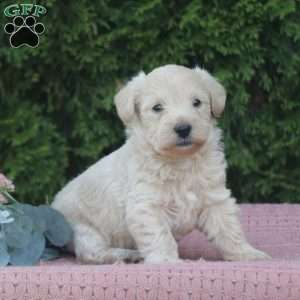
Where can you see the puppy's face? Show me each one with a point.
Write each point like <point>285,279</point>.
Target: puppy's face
<point>172,109</point>
<point>174,112</point>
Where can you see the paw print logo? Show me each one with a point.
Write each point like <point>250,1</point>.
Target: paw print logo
<point>24,31</point>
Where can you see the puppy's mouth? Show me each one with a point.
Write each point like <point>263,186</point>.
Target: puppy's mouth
<point>184,142</point>
<point>181,147</point>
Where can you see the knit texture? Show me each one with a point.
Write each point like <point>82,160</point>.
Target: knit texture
<point>271,228</point>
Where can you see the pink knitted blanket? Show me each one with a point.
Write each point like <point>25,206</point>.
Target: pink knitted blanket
<point>272,228</point>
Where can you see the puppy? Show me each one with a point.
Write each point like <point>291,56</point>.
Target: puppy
<point>166,180</point>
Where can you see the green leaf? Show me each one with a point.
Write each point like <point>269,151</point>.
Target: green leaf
<point>4,256</point>
<point>50,253</point>
<point>58,231</point>
<point>31,254</point>
<point>37,218</point>
<point>18,232</point>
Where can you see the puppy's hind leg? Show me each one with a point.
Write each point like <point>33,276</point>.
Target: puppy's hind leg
<point>222,227</point>
<point>90,247</point>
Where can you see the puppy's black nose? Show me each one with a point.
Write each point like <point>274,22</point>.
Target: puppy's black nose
<point>183,130</point>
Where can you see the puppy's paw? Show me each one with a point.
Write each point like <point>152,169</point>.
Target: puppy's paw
<point>247,253</point>
<point>134,256</point>
<point>157,259</point>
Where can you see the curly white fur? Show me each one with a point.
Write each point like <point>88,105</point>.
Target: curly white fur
<point>135,202</point>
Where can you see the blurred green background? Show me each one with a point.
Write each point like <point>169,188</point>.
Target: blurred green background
<point>56,101</point>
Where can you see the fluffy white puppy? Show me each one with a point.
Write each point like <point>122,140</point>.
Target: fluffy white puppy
<point>166,180</point>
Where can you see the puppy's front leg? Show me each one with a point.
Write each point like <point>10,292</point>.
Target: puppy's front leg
<point>221,225</point>
<point>151,232</point>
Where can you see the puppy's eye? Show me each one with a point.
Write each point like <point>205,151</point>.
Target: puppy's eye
<point>157,108</point>
<point>197,103</point>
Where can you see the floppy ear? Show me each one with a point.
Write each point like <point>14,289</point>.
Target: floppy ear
<point>216,92</point>
<point>125,100</point>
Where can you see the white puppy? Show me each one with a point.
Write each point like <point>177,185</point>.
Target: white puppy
<point>166,180</point>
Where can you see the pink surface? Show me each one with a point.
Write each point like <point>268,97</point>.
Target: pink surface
<point>272,228</point>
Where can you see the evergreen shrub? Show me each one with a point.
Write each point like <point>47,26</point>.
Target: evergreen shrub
<point>56,101</point>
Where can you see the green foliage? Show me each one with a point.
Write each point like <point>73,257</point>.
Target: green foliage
<point>18,233</point>
<point>4,256</point>
<point>31,253</point>
<point>56,230</point>
<point>56,109</point>
<point>34,234</point>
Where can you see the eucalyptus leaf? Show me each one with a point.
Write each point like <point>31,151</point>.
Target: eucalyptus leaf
<point>37,218</point>
<point>17,233</point>
<point>31,254</point>
<point>4,256</point>
<point>50,253</point>
<point>58,231</point>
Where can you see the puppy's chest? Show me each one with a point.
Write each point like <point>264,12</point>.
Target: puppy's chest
<point>181,204</point>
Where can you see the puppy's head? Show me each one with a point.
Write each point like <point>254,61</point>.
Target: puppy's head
<point>172,108</point>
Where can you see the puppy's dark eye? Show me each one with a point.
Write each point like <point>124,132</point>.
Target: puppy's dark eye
<point>157,108</point>
<point>197,103</point>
